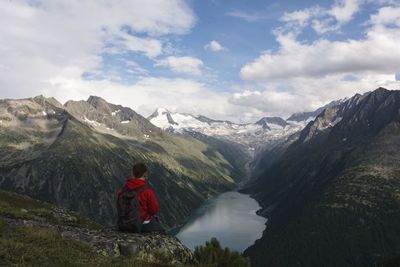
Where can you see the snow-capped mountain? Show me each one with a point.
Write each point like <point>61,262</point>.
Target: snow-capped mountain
<point>264,132</point>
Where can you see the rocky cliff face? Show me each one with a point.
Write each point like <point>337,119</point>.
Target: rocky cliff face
<point>20,213</point>
<point>332,196</point>
<point>78,155</point>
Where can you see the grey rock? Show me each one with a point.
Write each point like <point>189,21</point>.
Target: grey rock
<point>109,242</point>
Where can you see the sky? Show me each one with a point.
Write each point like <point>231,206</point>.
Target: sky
<point>225,59</point>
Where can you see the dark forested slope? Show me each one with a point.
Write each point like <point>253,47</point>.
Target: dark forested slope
<point>333,197</point>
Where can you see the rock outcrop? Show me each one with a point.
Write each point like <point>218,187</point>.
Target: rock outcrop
<point>18,211</point>
<point>110,242</point>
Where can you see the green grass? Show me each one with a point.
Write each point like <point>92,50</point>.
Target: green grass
<point>32,246</point>
<point>39,246</point>
<point>17,206</point>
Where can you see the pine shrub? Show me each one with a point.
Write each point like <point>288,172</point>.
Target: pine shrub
<point>212,254</point>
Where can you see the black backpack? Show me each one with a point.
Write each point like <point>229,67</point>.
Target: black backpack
<point>129,210</point>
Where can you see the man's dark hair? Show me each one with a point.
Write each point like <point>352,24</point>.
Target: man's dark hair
<point>139,169</point>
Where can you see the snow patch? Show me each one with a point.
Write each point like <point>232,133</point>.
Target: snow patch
<point>241,133</point>
<point>336,121</point>
<point>94,123</point>
<point>124,122</point>
<point>115,112</point>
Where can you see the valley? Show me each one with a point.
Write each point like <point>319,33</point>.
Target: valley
<point>326,180</point>
<point>78,155</point>
<point>204,133</point>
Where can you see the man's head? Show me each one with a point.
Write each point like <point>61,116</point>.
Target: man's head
<point>139,170</point>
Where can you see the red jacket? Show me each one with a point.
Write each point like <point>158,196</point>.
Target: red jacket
<point>147,200</point>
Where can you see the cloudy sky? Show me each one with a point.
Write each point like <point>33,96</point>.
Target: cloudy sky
<point>226,59</point>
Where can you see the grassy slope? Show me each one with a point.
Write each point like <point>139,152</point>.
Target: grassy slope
<point>27,245</point>
<point>37,246</point>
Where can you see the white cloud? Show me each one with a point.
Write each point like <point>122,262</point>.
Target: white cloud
<point>304,76</point>
<point>246,93</point>
<point>377,52</point>
<point>190,65</point>
<point>282,98</point>
<point>321,26</point>
<point>321,20</point>
<point>156,17</point>
<point>247,16</point>
<point>214,46</point>
<point>149,93</point>
<point>301,17</point>
<point>344,10</point>
<point>46,46</point>
<point>123,41</point>
<point>267,101</point>
<point>387,16</point>
<point>42,39</point>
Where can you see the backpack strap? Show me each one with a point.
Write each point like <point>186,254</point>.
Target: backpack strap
<point>138,190</point>
<point>141,189</point>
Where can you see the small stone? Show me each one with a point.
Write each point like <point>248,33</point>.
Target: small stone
<point>117,251</point>
<point>128,249</point>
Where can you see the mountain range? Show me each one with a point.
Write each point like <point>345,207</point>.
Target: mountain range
<point>77,155</point>
<point>332,195</point>
<point>327,180</point>
<point>263,133</point>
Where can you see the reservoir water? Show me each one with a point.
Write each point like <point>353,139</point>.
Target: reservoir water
<point>230,217</point>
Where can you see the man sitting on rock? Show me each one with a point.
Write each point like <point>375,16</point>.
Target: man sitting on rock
<point>137,204</point>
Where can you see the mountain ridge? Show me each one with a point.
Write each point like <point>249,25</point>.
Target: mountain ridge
<point>266,131</point>
<point>78,155</point>
<point>332,194</point>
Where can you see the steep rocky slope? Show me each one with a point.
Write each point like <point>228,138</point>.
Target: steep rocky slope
<point>333,196</point>
<point>79,154</point>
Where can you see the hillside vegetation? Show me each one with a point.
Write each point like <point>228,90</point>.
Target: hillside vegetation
<point>35,233</point>
<point>79,155</point>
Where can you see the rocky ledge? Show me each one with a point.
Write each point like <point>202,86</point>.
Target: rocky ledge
<point>20,211</point>
<point>109,242</point>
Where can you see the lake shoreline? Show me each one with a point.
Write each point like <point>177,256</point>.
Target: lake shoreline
<point>223,217</point>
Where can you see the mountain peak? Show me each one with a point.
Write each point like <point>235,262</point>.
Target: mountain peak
<point>380,88</point>
<point>208,120</point>
<point>310,115</point>
<point>100,104</point>
<point>95,99</point>
<point>162,110</point>
<point>159,115</point>
<point>40,99</point>
<point>271,120</point>
<point>158,112</point>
